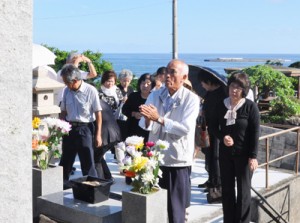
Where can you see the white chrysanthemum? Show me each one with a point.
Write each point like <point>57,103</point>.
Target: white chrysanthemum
<point>57,124</point>
<point>35,132</point>
<point>152,163</point>
<point>134,140</point>
<point>147,177</point>
<point>162,144</point>
<point>131,150</point>
<point>159,173</point>
<point>121,146</point>
<point>51,122</point>
<point>42,148</point>
<point>160,158</point>
<point>127,161</point>
<point>65,127</point>
<point>155,182</point>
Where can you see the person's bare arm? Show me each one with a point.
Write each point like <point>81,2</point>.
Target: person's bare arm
<point>92,70</point>
<point>98,138</point>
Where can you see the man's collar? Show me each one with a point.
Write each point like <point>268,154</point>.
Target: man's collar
<point>82,87</point>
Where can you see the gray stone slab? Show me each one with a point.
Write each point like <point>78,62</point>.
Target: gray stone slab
<point>62,206</point>
<point>45,182</point>
<point>145,208</point>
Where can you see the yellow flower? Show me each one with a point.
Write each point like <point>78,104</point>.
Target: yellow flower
<point>45,144</point>
<point>36,122</point>
<point>139,146</point>
<point>139,163</point>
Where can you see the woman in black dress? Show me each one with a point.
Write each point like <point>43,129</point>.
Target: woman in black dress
<point>237,125</point>
<point>110,99</point>
<point>111,135</point>
<point>131,107</point>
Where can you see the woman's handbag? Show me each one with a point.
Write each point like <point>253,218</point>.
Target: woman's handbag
<point>201,133</point>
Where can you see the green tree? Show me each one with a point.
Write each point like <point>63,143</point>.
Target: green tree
<point>268,79</point>
<point>99,64</point>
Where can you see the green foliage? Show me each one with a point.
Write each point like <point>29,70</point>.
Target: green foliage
<point>273,119</point>
<point>134,84</point>
<point>268,79</point>
<point>99,64</point>
<point>285,106</point>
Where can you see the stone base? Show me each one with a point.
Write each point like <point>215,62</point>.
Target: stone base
<point>63,207</point>
<point>144,208</point>
<point>45,182</point>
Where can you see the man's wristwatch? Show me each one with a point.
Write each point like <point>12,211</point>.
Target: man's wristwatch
<point>160,120</point>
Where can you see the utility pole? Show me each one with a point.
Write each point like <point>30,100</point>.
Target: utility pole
<point>174,34</point>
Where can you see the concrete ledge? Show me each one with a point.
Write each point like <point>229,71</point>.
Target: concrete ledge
<point>283,197</point>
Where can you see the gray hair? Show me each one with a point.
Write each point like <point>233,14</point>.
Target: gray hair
<point>125,73</point>
<point>70,72</point>
<point>71,56</point>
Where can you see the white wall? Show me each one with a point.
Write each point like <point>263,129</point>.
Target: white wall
<point>15,111</point>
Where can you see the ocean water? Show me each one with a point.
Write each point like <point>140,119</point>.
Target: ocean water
<point>148,63</point>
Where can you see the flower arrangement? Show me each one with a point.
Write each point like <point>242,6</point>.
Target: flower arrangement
<point>141,162</point>
<point>46,137</point>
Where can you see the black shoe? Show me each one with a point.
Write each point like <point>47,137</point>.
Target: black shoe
<point>214,196</point>
<point>204,185</point>
<point>67,185</point>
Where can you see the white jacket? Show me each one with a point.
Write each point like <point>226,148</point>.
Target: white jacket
<point>179,125</point>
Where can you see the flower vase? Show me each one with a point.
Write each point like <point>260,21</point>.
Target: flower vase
<point>45,182</point>
<point>144,208</point>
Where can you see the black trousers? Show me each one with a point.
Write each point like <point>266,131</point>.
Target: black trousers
<point>176,180</point>
<point>212,161</point>
<point>236,208</point>
<point>79,141</point>
<point>102,168</point>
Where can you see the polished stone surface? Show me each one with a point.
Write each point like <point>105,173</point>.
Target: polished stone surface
<point>64,207</point>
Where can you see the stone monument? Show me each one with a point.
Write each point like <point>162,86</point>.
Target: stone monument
<point>43,93</point>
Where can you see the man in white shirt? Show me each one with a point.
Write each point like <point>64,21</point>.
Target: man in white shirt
<point>75,59</point>
<point>170,114</point>
<point>80,107</point>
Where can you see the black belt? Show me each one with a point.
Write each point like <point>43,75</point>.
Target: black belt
<point>75,124</point>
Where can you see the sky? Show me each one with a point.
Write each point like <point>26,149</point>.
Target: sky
<point>145,26</point>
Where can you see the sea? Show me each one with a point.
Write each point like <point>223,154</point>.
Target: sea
<point>148,63</point>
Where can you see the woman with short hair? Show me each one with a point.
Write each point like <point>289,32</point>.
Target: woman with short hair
<point>237,125</point>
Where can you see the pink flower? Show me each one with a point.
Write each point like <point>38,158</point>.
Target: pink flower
<point>150,153</point>
<point>150,144</point>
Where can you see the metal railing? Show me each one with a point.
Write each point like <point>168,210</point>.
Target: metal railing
<point>267,148</point>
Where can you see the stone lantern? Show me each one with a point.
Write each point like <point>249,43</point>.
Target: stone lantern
<point>43,92</point>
